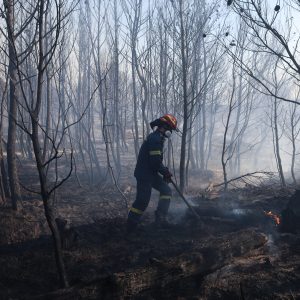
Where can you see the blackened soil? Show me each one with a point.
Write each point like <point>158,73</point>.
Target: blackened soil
<point>271,272</point>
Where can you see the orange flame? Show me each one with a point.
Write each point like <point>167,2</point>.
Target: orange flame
<point>275,217</point>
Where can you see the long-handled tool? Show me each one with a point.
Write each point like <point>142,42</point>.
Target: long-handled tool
<point>186,202</point>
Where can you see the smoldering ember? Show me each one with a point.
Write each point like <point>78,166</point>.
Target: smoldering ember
<point>149,149</point>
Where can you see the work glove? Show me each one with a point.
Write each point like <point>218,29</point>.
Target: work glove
<point>167,176</point>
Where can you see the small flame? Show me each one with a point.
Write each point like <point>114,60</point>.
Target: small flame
<point>275,217</point>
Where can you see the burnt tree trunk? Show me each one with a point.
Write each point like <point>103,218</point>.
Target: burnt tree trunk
<point>4,180</point>
<point>12,127</point>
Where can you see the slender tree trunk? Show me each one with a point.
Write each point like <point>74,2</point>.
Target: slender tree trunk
<point>293,139</point>
<point>135,109</point>
<point>134,27</point>
<point>225,154</point>
<point>38,152</point>
<point>213,112</point>
<point>185,99</point>
<point>189,154</point>
<point>4,178</point>
<point>116,88</point>
<point>5,182</point>
<point>203,111</point>
<point>49,214</point>
<point>277,147</point>
<point>12,127</point>
<point>48,107</point>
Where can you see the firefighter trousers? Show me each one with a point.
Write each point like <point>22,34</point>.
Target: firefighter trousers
<point>143,196</point>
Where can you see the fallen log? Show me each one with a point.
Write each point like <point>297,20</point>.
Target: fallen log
<point>201,258</point>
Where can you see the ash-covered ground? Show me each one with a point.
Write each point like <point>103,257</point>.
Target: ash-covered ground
<point>236,251</point>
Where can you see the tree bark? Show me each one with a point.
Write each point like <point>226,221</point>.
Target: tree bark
<point>277,147</point>
<point>13,103</point>
<point>225,147</point>
<point>185,99</point>
<point>116,88</point>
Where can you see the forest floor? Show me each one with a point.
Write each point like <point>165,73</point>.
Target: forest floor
<point>236,252</point>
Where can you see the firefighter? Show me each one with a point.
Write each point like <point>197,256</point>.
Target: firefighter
<point>151,173</point>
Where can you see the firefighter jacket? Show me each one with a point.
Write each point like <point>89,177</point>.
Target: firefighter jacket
<point>150,158</point>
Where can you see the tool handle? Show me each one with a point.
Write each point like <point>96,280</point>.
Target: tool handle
<point>183,198</point>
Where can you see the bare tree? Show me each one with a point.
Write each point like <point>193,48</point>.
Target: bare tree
<point>12,33</point>
<point>292,131</point>
<point>42,46</point>
<point>133,10</point>
<point>264,26</point>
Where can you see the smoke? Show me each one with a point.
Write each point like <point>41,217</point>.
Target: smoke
<point>272,246</point>
<point>177,212</point>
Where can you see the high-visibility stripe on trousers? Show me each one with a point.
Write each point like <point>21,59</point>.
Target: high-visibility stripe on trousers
<point>143,196</point>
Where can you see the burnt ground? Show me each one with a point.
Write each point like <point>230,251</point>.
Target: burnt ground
<point>236,253</point>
